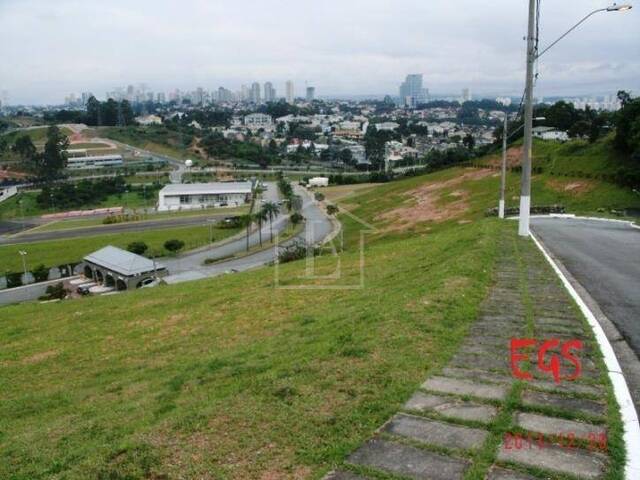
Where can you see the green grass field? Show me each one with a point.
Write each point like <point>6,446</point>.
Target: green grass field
<point>38,135</point>
<point>57,252</point>
<point>11,209</point>
<point>156,139</point>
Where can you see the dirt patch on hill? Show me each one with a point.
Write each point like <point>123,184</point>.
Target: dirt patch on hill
<point>514,158</point>
<point>39,357</point>
<point>424,203</point>
<point>577,187</point>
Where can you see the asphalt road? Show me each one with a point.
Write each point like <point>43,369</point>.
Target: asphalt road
<point>604,257</point>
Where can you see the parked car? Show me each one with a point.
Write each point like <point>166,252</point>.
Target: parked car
<point>149,282</point>
<point>84,288</point>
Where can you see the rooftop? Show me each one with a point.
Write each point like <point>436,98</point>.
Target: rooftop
<point>122,261</point>
<point>206,188</point>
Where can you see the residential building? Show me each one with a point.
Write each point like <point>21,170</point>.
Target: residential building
<point>255,92</point>
<point>466,95</point>
<point>411,91</point>
<point>290,96</point>
<point>149,120</point>
<point>269,92</point>
<point>311,94</point>
<point>202,195</point>
<point>256,121</point>
<point>388,126</point>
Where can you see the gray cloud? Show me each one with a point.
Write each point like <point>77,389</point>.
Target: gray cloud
<point>49,49</point>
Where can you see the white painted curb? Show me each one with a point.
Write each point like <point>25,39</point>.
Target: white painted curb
<point>620,388</point>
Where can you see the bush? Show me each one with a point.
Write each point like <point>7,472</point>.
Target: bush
<point>40,273</point>
<point>137,247</point>
<point>296,218</point>
<point>14,279</point>
<point>55,291</point>
<point>174,245</point>
<point>295,251</point>
<point>319,196</point>
<point>332,209</point>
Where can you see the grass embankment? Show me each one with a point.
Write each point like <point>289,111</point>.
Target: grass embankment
<point>98,222</point>
<point>38,135</point>
<point>155,138</point>
<point>11,209</point>
<point>57,252</point>
<point>298,379</point>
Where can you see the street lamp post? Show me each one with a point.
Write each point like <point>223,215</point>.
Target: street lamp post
<point>503,178</point>
<point>532,57</point>
<point>23,254</point>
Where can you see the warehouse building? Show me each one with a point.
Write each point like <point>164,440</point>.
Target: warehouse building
<point>94,161</point>
<point>192,196</point>
<point>113,267</point>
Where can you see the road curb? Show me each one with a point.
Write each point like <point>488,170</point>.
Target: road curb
<point>620,387</point>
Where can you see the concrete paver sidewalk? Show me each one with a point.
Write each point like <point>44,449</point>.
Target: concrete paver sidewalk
<point>475,420</point>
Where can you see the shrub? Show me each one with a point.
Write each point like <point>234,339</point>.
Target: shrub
<point>332,209</point>
<point>40,273</point>
<point>296,218</point>
<point>55,291</point>
<point>173,245</point>
<point>138,247</point>
<point>14,279</point>
<point>319,196</point>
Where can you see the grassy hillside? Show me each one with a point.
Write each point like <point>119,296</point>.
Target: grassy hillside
<point>155,138</point>
<point>38,135</point>
<point>234,378</point>
<point>229,377</point>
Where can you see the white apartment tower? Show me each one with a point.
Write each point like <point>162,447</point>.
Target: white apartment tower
<point>269,92</point>
<point>289,91</point>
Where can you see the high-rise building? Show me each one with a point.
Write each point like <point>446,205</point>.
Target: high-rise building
<point>411,91</point>
<point>311,94</point>
<point>289,91</point>
<point>255,92</point>
<point>245,93</point>
<point>269,92</point>
<point>161,98</point>
<point>466,95</point>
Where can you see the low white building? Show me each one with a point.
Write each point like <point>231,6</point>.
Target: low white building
<point>318,182</point>
<point>149,120</point>
<point>550,133</point>
<point>387,126</point>
<point>94,161</point>
<point>191,196</point>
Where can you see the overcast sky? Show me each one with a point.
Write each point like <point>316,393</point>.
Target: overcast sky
<point>342,47</point>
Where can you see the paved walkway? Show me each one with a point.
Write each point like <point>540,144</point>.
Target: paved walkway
<point>474,420</point>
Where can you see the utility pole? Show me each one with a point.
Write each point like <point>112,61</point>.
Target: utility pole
<point>525,189</point>
<point>503,178</point>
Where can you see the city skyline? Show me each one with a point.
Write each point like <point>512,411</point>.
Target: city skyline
<point>194,45</point>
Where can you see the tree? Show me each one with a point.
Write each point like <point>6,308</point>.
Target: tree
<point>25,147</point>
<point>272,210</point>
<point>260,216</point>
<point>624,97</point>
<point>40,273</point>
<point>247,221</point>
<point>332,209</point>
<point>93,112</point>
<point>469,142</point>
<point>579,129</point>
<point>173,245</point>
<point>54,158</point>
<point>137,247</point>
<point>55,291</point>
<point>296,218</point>
<point>346,156</point>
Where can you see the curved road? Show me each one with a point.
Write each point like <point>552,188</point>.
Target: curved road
<point>190,267</point>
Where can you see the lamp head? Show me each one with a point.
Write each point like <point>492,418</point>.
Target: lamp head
<point>619,8</point>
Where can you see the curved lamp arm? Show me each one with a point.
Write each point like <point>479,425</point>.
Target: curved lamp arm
<point>612,8</point>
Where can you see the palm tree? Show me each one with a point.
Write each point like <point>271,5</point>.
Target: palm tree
<point>246,221</point>
<point>260,216</point>
<point>272,210</point>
